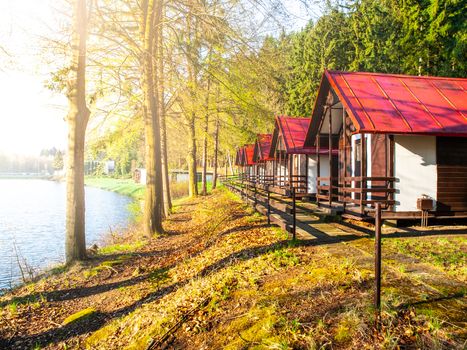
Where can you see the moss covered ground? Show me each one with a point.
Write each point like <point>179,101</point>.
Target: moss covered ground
<point>221,278</point>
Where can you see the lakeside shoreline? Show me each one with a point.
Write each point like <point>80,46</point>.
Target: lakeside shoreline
<point>25,177</point>
<point>107,213</point>
<point>126,187</point>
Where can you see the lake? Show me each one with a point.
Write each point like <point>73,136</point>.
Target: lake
<point>32,223</point>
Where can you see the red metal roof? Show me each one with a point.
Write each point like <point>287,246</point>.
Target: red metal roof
<point>293,131</point>
<point>264,146</point>
<point>402,104</point>
<point>249,151</point>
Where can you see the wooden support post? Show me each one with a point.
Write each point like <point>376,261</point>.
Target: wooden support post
<point>294,208</point>
<point>256,198</point>
<point>290,165</point>
<point>306,172</point>
<point>391,168</point>
<point>280,168</point>
<point>344,133</point>
<point>318,167</point>
<point>241,188</point>
<point>378,259</point>
<point>269,205</point>
<point>330,157</point>
<point>274,170</point>
<point>363,172</point>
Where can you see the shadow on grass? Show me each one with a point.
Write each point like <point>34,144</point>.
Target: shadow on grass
<point>405,232</point>
<point>99,319</point>
<point>452,296</point>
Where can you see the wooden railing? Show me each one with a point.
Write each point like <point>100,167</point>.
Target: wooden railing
<point>299,182</point>
<point>360,192</point>
<point>367,191</point>
<point>326,190</point>
<point>277,183</point>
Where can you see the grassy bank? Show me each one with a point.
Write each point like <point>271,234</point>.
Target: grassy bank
<point>125,187</point>
<point>128,187</point>
<point>222,279</point>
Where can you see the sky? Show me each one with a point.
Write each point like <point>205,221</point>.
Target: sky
<point>31,116</point>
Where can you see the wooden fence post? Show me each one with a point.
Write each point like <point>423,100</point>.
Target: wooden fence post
<point>294,208</point>
<point>242,188</point>
<point>256,198</point>
<point>378,260</point>
<point>269,205</point>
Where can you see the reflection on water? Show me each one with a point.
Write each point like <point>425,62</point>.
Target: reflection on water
<point>32,222</point>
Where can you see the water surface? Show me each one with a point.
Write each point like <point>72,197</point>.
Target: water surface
<point>32,223</point>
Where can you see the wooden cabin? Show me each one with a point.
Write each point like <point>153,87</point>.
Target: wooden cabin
<point>239,159</point>
<point>249,165</point>
<point>401,139</point>
<point>292,158</point>
<point>264,163</point>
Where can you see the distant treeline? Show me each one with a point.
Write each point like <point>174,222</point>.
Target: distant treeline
<point>25,164</point>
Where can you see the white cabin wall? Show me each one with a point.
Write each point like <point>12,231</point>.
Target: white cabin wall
<point>415,170</point>
<point>312,173</point>
<point>369,164</point>
<point>324,168</point>
<point>261,169</point>
<point>353,155</point>
<point>269,167</point>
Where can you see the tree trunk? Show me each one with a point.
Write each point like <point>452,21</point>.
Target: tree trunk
<point>153,206</point>
<point>193,179</point>
<point>77,120</point>
<point>216,154</point>
<point>192,55</point>
<point>161,91</point>
<point>216,143</point>
<point>205,141</point>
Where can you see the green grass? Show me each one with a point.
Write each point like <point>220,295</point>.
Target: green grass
<point>79,316</point>
<point>126,187</point>
<point>447,253</point>
<point>129,188</point>
<point>120,248</point>
<point>106,265</point>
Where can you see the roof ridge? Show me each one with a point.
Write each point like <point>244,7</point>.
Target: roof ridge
<point>396,75</point>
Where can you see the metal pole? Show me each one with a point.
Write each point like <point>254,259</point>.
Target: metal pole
<point>378,259</point>
<point>269,206</point>
<point>294,232</point>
